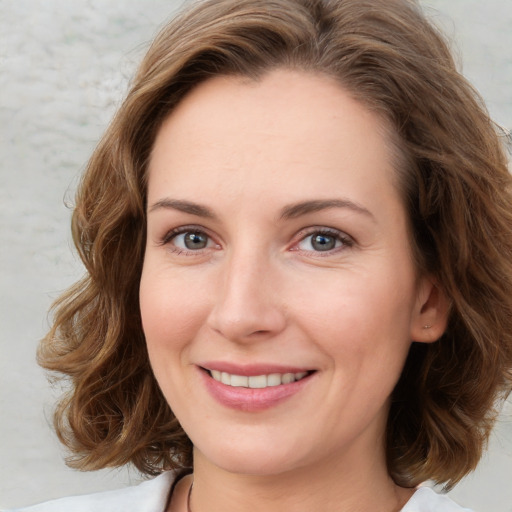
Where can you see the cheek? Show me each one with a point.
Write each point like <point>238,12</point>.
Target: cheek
<point>171,310</point>
<point>359,302</point>
<point>362,321</point>
<point>172,314</point>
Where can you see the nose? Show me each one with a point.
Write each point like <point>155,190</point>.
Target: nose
<point>247,306</point>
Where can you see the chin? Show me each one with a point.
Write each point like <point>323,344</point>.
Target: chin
<point>250,460</point>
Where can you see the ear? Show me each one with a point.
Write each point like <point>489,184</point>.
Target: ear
<point>431,311</point>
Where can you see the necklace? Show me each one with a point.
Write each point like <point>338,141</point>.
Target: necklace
<point>188,496</point>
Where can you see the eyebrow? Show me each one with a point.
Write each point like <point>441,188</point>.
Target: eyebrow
<point>296,210</point>
<point>183,206</point>
<point>288,212</point>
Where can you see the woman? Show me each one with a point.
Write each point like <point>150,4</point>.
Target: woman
<point>297,233</point>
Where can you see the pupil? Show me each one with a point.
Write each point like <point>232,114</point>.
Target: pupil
<point>323,242</point>
<point>196,240</point>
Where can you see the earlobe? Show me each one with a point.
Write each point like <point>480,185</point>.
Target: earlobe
<point>431,312</point>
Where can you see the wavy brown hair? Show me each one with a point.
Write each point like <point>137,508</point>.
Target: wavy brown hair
<point>453,176</point>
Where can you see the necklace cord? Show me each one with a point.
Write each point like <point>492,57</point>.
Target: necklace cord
<point>188,496</point>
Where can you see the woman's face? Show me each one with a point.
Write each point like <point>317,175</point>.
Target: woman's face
<point>278,294</point>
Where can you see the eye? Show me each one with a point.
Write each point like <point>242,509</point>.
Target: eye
<point>193,241</point>
<point>188,240</point>
<point>323,241</point>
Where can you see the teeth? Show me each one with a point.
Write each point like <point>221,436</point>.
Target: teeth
<point>287,378</point>
<point>274,379</point>
<point>256,381</point>
<point>240,381</point>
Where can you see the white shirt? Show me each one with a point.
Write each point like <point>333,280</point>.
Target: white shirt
<point>426,500</point>
<point>152,496</point>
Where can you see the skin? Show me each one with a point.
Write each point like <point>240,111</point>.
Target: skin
<point>246,154</point>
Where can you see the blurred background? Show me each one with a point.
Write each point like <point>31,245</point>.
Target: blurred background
<point>64,68</point>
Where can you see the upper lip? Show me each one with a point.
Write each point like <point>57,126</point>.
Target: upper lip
<point>252,369</point>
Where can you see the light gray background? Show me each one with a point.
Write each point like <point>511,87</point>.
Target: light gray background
<point>64,67</point>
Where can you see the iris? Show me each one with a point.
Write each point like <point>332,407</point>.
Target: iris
<point>321,242</point>
<point>195,241</point>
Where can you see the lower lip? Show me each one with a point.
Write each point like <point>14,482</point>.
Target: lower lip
<point>251,399</point>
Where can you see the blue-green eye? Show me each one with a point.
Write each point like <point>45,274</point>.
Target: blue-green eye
<point>320,241</point>
<point>192,240</point>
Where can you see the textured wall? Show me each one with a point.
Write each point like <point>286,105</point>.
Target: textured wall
<point>63,68</point>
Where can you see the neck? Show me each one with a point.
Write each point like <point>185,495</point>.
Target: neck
<point>349,486</point>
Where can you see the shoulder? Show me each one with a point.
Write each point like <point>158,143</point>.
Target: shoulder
<point>149,496</point>
<point>426,500</point>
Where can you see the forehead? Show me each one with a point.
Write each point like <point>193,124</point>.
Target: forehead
<point>284,127</point>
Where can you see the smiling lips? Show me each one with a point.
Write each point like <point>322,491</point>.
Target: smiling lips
<point>255,392</point>
<point>256,381</point>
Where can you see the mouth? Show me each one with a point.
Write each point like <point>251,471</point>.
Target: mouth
<point>260,387</point>
<point>257,381</point>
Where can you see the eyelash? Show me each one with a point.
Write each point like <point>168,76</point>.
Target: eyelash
<point>173,233</point>
<point>346,241</point>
